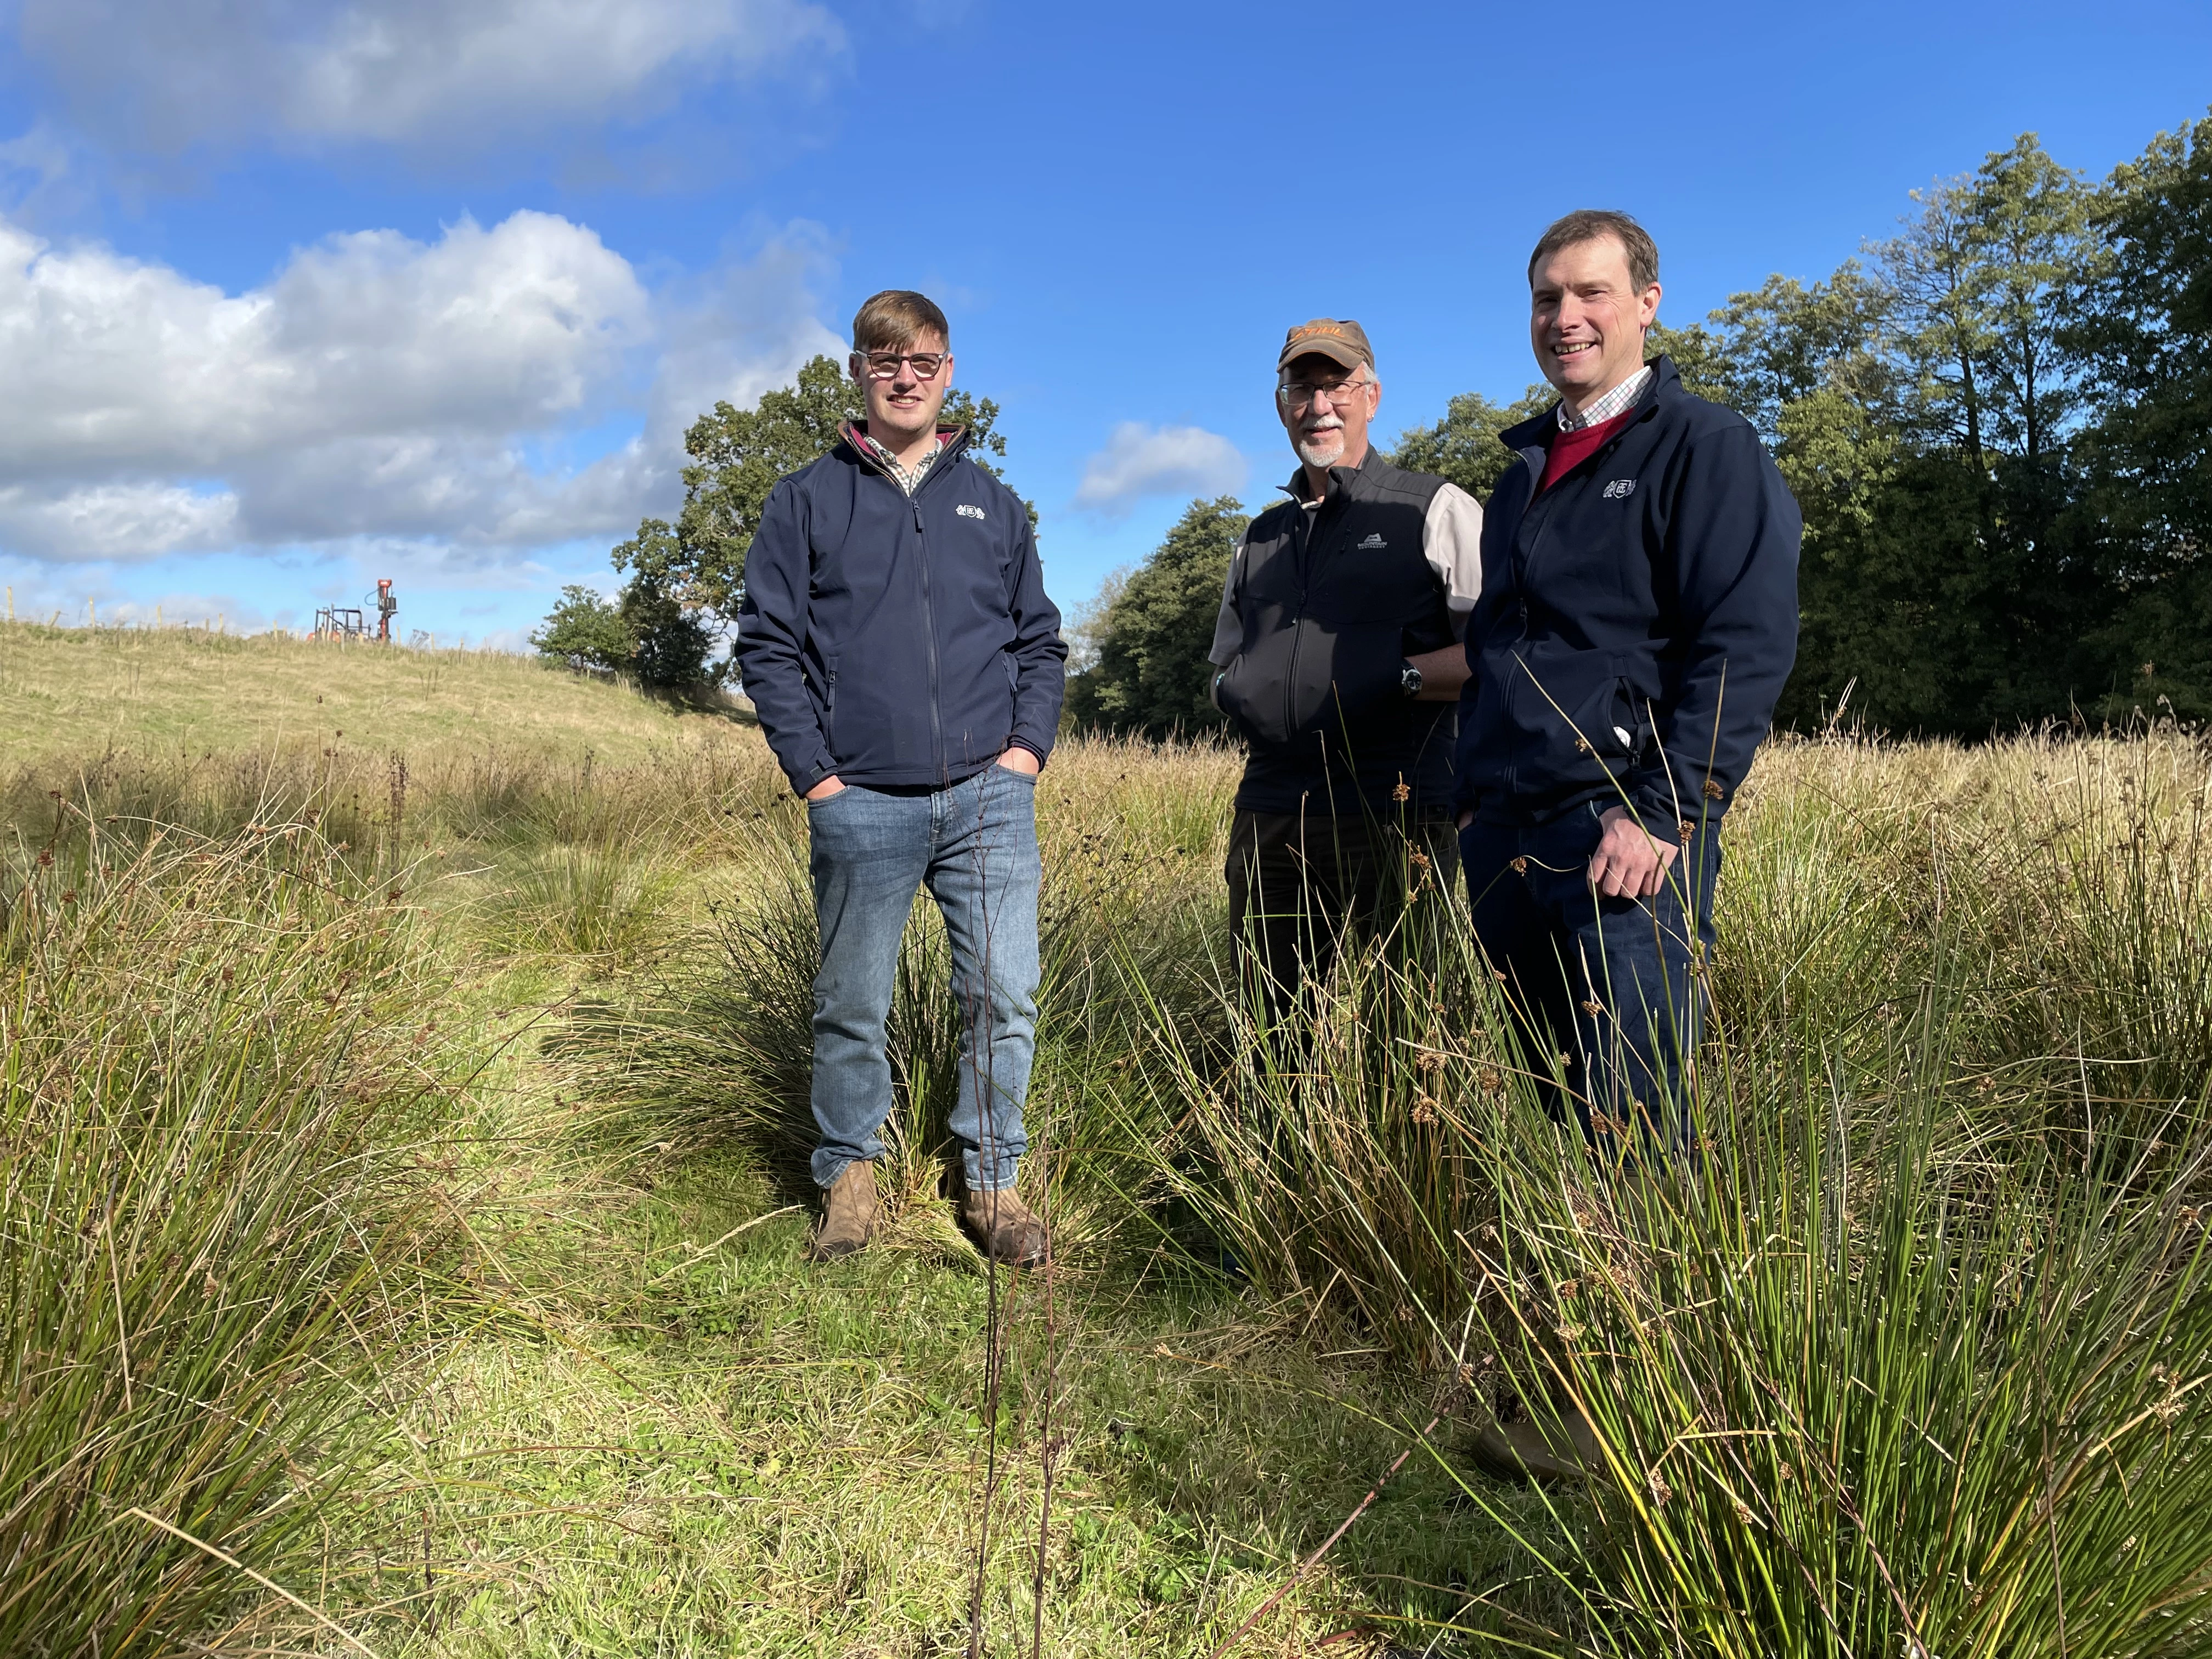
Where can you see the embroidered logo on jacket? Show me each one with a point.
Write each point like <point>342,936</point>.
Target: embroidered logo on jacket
<point>968,512</point>
<point>1620,489</point>
<point>1374,540</point>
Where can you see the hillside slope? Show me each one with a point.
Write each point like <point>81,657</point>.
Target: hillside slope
<point>75,691</point>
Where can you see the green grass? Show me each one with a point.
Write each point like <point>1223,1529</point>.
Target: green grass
<point>77,693</point>
<point>1919,1361</point>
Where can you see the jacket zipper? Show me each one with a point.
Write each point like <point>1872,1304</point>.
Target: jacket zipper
<point>1309,557</point>
<point>1520,603</point>
<point>1545,500</point>
<point>1297,625</point>
<point>929,627</point>
<point>928,607</point>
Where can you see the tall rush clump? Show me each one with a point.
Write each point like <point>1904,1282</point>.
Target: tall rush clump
<point>194,1076</point>
<point>1914,1360</point>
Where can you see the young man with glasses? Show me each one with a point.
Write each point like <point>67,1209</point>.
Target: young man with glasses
<point>1340,662</point>
<point>907,667</point>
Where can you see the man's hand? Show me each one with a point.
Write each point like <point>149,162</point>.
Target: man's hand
<point>1018,759</point>
<point>832,785</point>
<point>1629,863</point>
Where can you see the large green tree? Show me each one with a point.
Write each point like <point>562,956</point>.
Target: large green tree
<point>646,631</point>
<point>1152,677</point>
<point>1463,447</point>
<point>1923,406</point>
<point>2142,321</point>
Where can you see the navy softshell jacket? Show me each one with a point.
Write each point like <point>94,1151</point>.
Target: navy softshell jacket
<point>1637,619</point>
<point>898,639</point>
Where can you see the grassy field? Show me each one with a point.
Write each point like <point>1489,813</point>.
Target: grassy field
<point>403,1213</point>
<point>74,693</point>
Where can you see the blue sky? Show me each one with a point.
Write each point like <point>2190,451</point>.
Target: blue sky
<point>295,294</point>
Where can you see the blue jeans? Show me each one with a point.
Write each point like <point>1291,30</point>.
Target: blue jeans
<point>1612,987</point>
<point>975,846</point>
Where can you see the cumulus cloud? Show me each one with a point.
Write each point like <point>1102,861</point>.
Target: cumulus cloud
<point>168,74</point>
<point>377,387</point>
<point>1141,460</point>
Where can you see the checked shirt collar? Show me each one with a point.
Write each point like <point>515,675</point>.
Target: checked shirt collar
<point>1621,397</point>
<point>909,481</point>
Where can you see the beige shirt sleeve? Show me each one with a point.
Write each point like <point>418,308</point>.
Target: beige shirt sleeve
<point>1451,537</point>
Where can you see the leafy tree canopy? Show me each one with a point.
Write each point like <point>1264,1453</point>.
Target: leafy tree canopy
<point>584,631</point>
<point>1152,677</point>
<point>1463,447</point>
<point>645,631</point>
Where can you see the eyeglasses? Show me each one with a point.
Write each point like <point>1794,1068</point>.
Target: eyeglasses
<point>1297,394</point>
<point>883,365</point>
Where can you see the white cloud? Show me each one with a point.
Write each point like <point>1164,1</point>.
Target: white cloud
<point>377,387</point>
<point>168,74</point>
<point>1141,460</point>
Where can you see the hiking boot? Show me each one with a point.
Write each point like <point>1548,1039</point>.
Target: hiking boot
<point>1003,1228</point>
<point>1529,1451</point>
<point>849,1213</point>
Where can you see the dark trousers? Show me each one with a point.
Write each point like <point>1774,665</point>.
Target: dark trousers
<point>1609,994</point>
<point>1300,885</point>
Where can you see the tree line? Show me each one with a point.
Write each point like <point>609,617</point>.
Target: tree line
<point>1997,422</point>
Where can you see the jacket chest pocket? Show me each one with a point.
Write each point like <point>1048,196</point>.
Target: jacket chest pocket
<point>1375,587</point>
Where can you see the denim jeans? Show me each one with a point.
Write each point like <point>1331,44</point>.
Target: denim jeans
<point>975,846</point>
<point>1612,987</point>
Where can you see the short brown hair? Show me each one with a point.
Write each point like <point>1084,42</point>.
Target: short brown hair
<point>887,320</point>
<point>1588,225</point>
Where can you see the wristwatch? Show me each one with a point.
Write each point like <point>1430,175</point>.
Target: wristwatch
<point>1409,680</point>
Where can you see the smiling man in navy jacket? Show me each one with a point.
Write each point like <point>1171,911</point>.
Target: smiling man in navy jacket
<point>907,669</point>
<point>1637,619</point>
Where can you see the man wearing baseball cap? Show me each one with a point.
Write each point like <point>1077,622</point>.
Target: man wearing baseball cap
<point>1339,660</point>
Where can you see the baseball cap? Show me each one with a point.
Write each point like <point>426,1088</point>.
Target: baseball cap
<point>1337,339</point>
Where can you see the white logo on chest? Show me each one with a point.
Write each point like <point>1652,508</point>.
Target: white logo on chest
<point>1374,540</point>
<point>1620,489</point>
<point>968,512</point>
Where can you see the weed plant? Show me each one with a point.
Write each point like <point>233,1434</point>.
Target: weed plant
<point>199,1087</point>
<point>1914,1361</point>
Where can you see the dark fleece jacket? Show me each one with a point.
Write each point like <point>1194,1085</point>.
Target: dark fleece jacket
<point>1637,618</point>
<point>898,639</point>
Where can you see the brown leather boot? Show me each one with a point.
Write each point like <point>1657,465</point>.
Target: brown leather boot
<point>1531,1450</point>
<point>1005,1228</point>
<point>849,1213</point>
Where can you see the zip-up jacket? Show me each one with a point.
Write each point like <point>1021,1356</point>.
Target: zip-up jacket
<point>1637,619</point>
<point>1322,608</point>
<point>898,639</point>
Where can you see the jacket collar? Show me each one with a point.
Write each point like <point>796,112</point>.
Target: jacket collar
<point>951,441</point>
<point>1536,432</point>
<point>1340,478</point>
